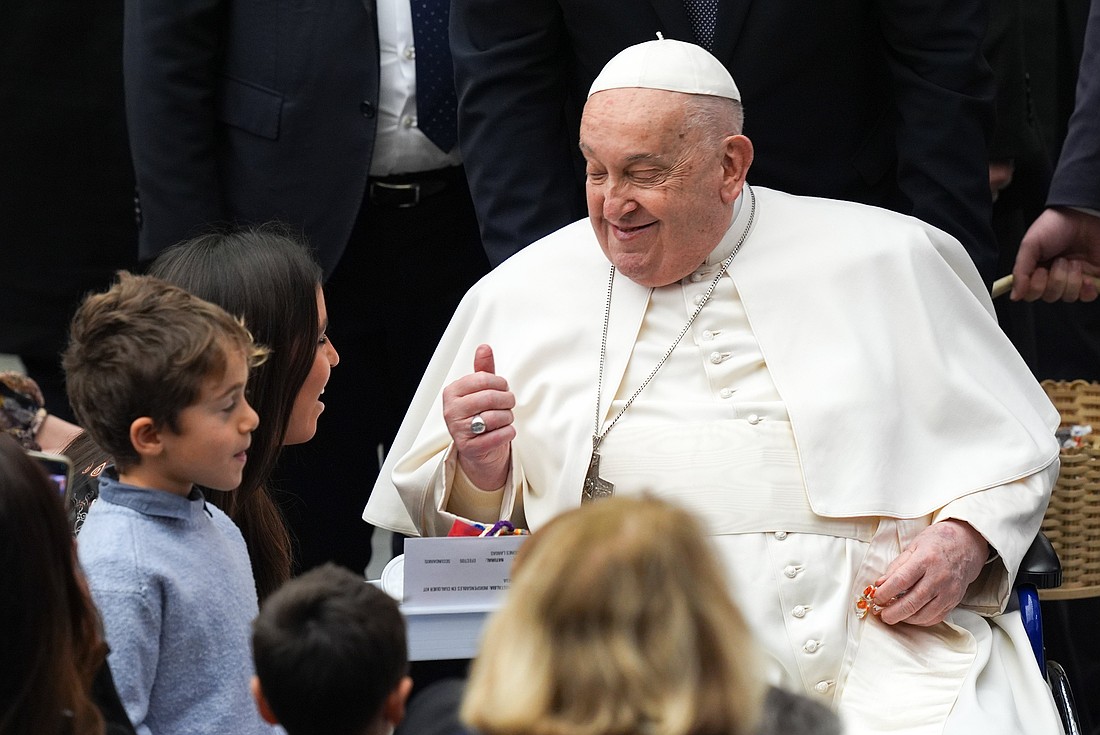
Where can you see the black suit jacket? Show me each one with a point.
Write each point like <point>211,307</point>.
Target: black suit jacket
<point>886,102</point>
<point>245,111</point>
<point>1077,178</point>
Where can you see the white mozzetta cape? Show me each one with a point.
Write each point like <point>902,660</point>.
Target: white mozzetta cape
<point>902,391</point>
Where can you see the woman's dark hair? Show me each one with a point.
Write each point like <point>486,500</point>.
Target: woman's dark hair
<point>50,640</point>
<point>269,278</point>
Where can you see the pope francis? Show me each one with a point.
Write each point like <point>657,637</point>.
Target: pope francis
<point>822,382</point>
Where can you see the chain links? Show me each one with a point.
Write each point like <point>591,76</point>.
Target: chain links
<point>597,435</point>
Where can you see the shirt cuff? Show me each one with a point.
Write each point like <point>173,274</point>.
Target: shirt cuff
<point>469,501</point>
<point>988,593</point>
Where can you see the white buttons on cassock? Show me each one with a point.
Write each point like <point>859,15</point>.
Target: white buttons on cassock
<point>698,276</point>
<point>410,52</point>
<point>799,611</point>
<point>780,535</point>
<point>753,419</point>
<point>708,335</point>
<point>408,121</point>
<point>726,392</point>
<point>698,299</point>
<point>791,571</point>
<point>822,686</point>
<point>811,646</point>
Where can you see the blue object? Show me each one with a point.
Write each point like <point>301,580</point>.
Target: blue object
<point>1032,616</point>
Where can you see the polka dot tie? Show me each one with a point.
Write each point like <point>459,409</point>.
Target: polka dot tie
<point>703,15</point>
<point>435,87</point>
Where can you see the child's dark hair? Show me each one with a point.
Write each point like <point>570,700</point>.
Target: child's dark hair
<point>144,348</point>
<point>329,648</point>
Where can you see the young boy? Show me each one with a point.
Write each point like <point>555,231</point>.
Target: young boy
<point>157,377</point>
<point>330,656</point>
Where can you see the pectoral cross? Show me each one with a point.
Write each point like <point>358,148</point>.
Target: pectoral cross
<point>595,487</point>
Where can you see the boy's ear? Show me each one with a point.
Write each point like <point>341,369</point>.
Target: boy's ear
<point>261,701</point>
<point>145,437</point>
<point>393,709</point>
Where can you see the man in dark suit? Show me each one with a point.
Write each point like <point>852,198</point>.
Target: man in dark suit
<point>314,114</point>
<point>885,103</point>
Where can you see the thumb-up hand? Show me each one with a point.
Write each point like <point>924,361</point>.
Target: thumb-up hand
<point>478,411</point>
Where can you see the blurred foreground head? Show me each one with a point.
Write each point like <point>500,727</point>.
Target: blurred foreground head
<point>618,622</point>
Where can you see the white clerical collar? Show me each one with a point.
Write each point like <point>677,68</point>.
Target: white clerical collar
<point>729,240</point>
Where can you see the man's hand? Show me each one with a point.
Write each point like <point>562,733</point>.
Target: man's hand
<point>1057,256</point>
<point>930,577</point>
<point>484,457</point>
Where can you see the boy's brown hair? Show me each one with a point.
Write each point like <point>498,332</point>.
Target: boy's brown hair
<point>144,348</point>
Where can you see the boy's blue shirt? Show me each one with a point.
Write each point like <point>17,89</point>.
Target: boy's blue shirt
<point>173,582</point>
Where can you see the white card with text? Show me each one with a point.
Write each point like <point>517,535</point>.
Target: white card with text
<point>461,571</point>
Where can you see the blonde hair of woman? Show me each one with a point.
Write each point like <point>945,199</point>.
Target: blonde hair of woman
<point>618,622</point>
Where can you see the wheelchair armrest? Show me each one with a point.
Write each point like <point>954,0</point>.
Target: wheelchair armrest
<point>1040,565</point>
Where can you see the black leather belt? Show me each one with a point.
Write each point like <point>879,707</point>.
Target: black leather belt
<point>409,190</point>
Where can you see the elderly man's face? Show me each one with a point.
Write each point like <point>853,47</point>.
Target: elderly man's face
<point>658,198</point>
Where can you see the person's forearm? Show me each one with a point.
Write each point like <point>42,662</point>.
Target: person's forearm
<point>1076,181</point>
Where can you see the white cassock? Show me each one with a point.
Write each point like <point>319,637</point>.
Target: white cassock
<point>845,386</point>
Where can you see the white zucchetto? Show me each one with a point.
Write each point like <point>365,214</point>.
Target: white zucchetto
<point>670,65</point>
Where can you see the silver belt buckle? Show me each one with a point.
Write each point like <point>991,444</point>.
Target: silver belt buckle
<point>414,188</point>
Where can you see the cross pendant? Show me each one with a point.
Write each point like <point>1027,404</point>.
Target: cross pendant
<point>595,487</point>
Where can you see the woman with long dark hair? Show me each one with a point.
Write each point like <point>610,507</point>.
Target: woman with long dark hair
<point>270,280</point>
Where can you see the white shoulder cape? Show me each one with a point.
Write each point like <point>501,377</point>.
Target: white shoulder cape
<point>903,393</point>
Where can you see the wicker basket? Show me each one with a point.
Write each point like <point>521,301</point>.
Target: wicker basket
<point>1072,520</point>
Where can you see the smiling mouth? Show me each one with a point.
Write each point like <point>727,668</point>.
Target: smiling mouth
<point>628,230</point>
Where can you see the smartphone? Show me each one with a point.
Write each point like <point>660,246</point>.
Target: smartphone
<point>57,467</point>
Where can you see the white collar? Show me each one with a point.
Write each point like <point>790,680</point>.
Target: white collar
<point>733,232</point>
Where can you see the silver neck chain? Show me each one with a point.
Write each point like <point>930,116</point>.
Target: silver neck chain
<point>597,435</point>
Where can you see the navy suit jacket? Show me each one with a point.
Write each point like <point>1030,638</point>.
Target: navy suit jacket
<point>1077,178</point>
<point>887,102</point>
<point>247,111</point>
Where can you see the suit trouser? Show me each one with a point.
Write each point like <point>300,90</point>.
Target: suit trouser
<point>391,296</point>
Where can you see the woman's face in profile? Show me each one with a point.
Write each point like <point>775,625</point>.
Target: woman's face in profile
<point>308,406</point>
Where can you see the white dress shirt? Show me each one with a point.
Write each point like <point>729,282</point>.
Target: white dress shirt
<point>399,146</point>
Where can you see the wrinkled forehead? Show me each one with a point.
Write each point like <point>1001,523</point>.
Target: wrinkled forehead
<point>618,109</point>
